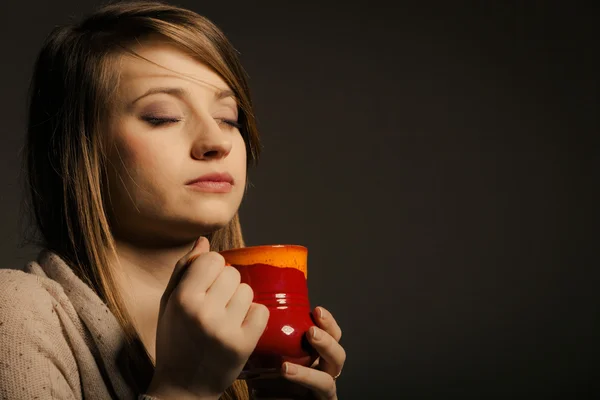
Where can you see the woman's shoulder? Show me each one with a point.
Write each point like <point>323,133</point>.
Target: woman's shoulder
<point>23,293</point>
<point>28,305</point>
<point>36,360</point>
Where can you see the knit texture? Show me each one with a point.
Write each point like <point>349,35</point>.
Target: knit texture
<point>58,340</point>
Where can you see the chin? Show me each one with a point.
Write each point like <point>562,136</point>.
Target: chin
<point>188,230</point>
<point>203,217</point>
<point>206,228</point>
<point>210,223</point>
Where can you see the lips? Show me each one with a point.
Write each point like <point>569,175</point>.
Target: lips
<point>216,182</point>
<point>213,177</point>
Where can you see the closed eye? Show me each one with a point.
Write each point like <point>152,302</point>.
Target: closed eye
<point>230,123</point>
<point>156,121</point>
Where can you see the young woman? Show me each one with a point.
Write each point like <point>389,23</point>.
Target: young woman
<point>140,131</point>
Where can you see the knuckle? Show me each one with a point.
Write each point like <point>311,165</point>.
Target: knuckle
<point>234,273</point>
<point>209,262</point>
<point>214,258</point>
<point>246,291</point>
<point>263,312</point>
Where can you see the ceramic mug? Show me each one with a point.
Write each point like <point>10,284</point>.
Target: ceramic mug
<point>277,274</point>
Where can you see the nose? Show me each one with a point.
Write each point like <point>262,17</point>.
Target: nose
<point>211,143</point>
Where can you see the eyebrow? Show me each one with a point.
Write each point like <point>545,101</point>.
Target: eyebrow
<point>220,94</point>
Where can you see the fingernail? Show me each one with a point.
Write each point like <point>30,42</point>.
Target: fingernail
<point>290,369</point>
<point>316,335</point>
<point>321,313</point>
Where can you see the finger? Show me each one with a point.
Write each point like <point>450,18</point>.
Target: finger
<point>325,321</point>
<point>199,275</point>
<point>200,246</point>
<point>319,382</point>
<point>255,322</point>
<point>221,290</point>
<point>240,303</point>
<point>332,354</point>
<point>202,271</point>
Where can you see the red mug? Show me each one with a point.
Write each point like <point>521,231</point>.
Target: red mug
<point>277,274</point>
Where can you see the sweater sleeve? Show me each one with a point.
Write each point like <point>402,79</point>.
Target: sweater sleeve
<point>36,361</point>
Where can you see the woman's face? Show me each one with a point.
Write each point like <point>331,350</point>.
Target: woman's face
<point>175,123</point>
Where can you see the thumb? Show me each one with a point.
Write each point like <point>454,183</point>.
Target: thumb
<point>201,245</point>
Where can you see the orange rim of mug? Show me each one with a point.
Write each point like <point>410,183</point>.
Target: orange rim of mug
<point>277,255</point>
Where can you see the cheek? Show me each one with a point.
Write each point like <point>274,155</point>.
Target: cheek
<point>138,161</point>
<point>134,151</point>
<point>239,156</point>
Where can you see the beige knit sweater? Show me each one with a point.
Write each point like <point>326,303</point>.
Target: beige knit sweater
<point>58,340</point>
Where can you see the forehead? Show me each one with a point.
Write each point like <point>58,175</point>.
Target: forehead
<point>162,63</point>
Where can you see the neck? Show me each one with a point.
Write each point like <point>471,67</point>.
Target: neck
<point>142,274</point>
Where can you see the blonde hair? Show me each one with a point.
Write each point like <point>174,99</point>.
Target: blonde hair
<point>73,85</point>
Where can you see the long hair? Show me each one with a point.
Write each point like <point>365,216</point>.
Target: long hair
<point>71,94</point>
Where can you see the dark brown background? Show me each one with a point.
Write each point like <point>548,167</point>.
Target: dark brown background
<point>440,162</point>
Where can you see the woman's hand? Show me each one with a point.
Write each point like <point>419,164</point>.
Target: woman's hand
<point>300,382</point>
<point>207,328</point>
